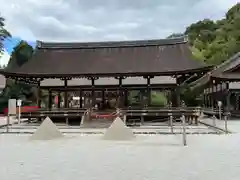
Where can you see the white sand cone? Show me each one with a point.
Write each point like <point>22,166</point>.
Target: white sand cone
<point>118,131</point>
<point>47,131</point>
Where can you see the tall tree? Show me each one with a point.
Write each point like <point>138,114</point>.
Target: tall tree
<point>3,33</point>
<point>202,30</point>
<point>214,42</point>
<point>17,90</point>
<point>233,13</point>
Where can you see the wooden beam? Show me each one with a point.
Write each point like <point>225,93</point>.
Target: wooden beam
<point>148,91</point>
<point>81,95</point>
<point>39,95</point>
<point>66,104</point>
<point>59,100</point>
<point>50,99</point>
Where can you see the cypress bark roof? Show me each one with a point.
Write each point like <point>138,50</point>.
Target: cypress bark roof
<point>155,57</point>
<point>228,70</point>
<point>2,82</point>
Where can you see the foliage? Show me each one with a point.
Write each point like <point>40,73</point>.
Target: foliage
<point>3,33</point>
<point>158,99</point>
<point>191,98</point>
<point>214,42</point>
<point>20,55</point>
<point>16,90</point>
<point>136,97</point>
<point>211,42</point>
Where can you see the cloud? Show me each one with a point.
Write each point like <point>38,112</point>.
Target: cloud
<point>99,20</point>
<point>4,58</point>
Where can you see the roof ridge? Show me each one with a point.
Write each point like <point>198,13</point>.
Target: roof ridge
<point>105,44</point>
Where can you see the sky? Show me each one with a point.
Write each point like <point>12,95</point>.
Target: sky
<point>11,42</point>
<point>102,20</point>
<point>106,20</point>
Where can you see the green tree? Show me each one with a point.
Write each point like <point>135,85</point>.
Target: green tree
<point>18,90</point>
<point>202,30</point>
<point>233,13</point>
<point>3,33</point>
<point>20,55</point>
<point>212,42</point>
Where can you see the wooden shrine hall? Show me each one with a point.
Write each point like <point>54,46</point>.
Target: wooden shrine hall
<point>98,71</point>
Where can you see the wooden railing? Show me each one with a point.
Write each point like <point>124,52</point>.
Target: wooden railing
<point>63,112</point>
<point>78,112</point>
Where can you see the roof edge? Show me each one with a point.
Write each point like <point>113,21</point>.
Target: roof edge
<point>214,72</point>
<point>111,44</point>
<point>130,74</point>
<point>235,58</point>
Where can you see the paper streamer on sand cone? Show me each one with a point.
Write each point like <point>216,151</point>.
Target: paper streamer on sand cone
<point>118,131</point>
<point>47,131</point>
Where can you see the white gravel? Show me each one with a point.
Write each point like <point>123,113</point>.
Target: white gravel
<point>208,157</point>
<point>149,157</point>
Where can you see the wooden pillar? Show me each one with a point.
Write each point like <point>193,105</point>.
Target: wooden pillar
<point>66,104</point>
<point>221,91</point>
<point>173,99</point>
<point>208,100</point>
<point>125,97</point>
<point>212,94</point>
<point>81,98</point>
<point>119,94</point>
<point>204,99</point>
<point>148,91</point>
<point>93,90</point>
<point>209,97</point>
<point>142,93</point>
<point>103,96</point>
<point>177,91</point>
<point>178,98</point>
<point>59,100</point>
<point>49,99</point>
<point>168,95</point>
<point>237,102</point>
<point>228,95</point>
<point>39,95</point>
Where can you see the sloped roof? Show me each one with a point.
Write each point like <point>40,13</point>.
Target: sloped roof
<point>221,71</point>
<point>156,57</point>
<point>2,82</point>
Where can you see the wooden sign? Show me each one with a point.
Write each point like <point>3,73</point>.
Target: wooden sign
<point>12,110</point>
